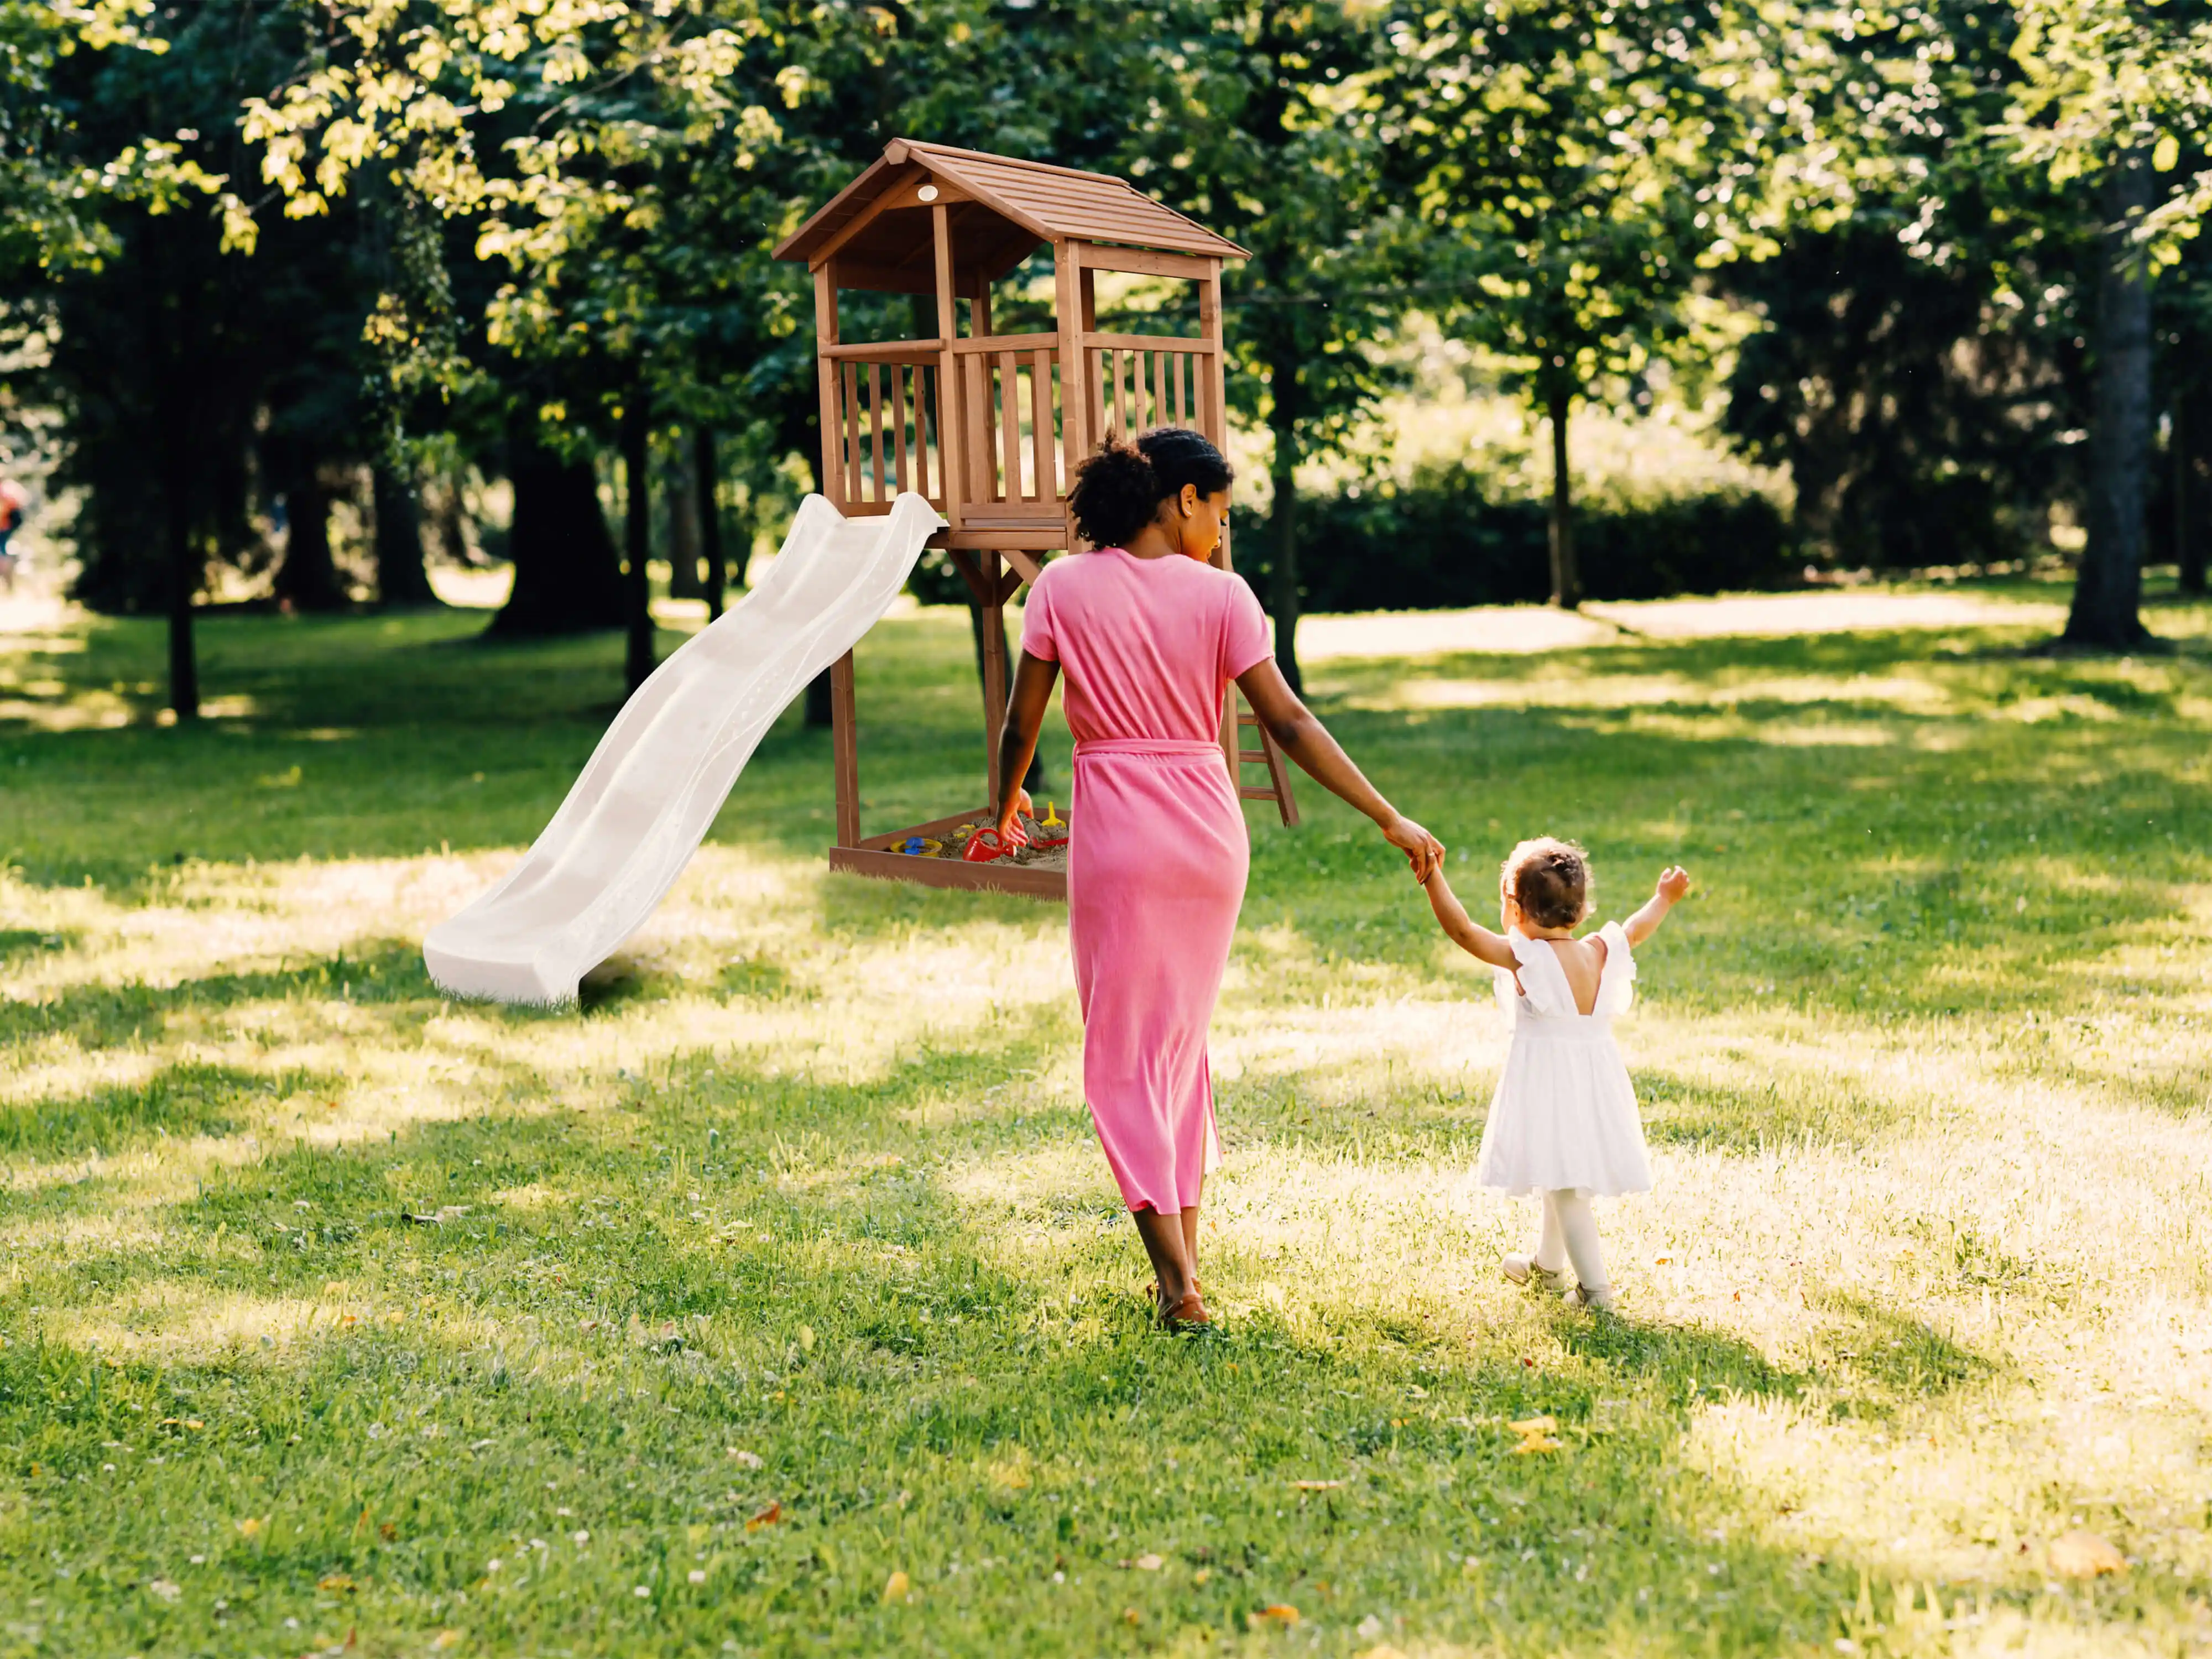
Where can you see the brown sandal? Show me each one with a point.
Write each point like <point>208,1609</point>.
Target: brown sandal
<point>1188,1315</point>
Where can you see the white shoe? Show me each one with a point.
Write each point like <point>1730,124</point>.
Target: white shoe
<point>1582,1296</point>
<point>1521,1269</point>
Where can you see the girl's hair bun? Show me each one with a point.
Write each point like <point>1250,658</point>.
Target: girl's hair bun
<point>1118,488</point>
<point>1549,879</point>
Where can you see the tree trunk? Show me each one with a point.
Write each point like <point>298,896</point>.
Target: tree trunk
<point>2108,592</point>
<point>186,569</point>
<point>1283,519</point>
<point>637,512</point>
<point>681,492</point>
<point>402,578</point>
<point>308,580</point>
<point>1566,576</point>
<point>566,578</point>
<point>706,477</point>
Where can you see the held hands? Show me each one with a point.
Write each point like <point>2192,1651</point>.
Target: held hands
<point>1423,851</point>
<point>1674,884</point>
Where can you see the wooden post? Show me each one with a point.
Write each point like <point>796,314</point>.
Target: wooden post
<point>982,413</point>
<point>1213,419</point>
<point>833,436</point>
<point>994,674</point>
<point>950,439</point>
<point>846,748</point>
<point>1074,401</point>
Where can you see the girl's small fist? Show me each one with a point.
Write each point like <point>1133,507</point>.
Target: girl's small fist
<point>1673,882</point>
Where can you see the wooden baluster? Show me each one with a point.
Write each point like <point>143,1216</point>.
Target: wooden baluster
<point>1181,365</point>
<point>876,424</point>
<point>1010,427</point>
<point>898,424</point>
<point>852,431</point>
<point>922,406</point>
<point>1097,362</point>
<point>1044,442</point>
<point>1121,397</point>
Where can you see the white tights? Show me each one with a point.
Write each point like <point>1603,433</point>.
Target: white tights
<point>1569,1234</point>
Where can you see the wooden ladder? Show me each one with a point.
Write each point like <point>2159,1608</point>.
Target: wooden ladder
<point>1235,722</point>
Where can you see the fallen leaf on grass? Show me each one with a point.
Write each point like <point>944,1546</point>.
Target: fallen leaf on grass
<point>1530,1426</point>
<point>1129,1615</point>
<point>1203,1576</point>
<point>1535,1443</point>
<point>2080,1554</point>
<point>749,1460</point>
<point>167,1589</point>
<point>767,1517</point>
<point>251,1527</point>
<point>334,1581</point>
<point>1316,1485</point>
<point>446,1638</point>
<point>896,1588</point>
<point>1145,1563</point>
<point>1281,1613</point>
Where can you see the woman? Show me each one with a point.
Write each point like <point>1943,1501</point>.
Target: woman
<point>1150,633</point>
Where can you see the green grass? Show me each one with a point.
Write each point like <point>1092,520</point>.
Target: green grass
<point>336,1314</point>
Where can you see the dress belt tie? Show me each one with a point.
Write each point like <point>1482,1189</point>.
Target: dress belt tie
<point>1166,746</point>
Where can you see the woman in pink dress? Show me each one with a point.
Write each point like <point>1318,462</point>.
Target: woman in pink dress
<point>1150,633</point>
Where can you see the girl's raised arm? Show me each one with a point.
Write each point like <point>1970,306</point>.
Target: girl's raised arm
<point>1470,935</point>
<point>1673,882</point>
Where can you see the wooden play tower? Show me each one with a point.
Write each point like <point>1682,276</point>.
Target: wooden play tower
<point>990,427</point>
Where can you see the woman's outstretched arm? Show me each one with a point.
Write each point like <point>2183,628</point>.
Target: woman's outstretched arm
<point>1307,741</point>
<point>1018,739</point>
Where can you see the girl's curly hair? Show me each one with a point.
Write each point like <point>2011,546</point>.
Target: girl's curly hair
<point>1118,489</point>
<point>1550,879</point>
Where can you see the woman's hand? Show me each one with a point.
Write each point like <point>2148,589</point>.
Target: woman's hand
<point>1423,850</point>
<point>1010,828</point>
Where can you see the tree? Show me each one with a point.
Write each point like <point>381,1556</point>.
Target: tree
<point>1577,166</point>
<point>1269,132</point>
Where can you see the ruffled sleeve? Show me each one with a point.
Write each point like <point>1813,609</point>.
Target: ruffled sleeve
<point>1543,981</point>
<point>1616,987</point>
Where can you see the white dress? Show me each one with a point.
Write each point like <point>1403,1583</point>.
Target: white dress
<point>1564,1114</point>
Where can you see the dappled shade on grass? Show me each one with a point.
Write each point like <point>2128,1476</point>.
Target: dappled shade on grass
<point>788,1265</point>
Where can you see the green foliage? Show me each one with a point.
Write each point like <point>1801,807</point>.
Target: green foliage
<point>1447,537</point>
<point>1577,166</point>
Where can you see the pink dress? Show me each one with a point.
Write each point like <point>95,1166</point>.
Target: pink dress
<point>1158,855</point>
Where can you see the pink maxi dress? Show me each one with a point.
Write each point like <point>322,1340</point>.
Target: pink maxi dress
<point>1158,855</point>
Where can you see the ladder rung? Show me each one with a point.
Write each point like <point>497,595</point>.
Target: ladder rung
<point>1253,756</point>
<point>1259,795</point>
<point>1248,720</point>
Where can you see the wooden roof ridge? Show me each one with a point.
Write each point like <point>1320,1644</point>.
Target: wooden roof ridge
<point>1046,220</point>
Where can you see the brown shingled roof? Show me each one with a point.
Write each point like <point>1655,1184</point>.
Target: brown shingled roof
<point>1035,201</point>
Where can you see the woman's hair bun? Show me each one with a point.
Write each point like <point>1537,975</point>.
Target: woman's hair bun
<point>1119,488</point>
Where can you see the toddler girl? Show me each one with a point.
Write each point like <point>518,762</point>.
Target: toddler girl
<point>1563,1123</point>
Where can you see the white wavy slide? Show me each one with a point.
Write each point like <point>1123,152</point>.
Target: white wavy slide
<point>662,771</point>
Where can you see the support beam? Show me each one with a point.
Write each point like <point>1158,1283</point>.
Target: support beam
<point>844,738</point>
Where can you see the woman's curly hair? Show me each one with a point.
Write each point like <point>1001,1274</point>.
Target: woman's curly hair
<point>1118,490</point>
<point>1550,880</point>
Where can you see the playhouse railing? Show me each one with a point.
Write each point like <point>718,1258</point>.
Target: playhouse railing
<point>1141,380</point>
<point>887,423</point>
<point>1010,394</point>
<point>1012,410</point>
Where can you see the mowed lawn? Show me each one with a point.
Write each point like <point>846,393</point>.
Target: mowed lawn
<point>778,1302</point>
